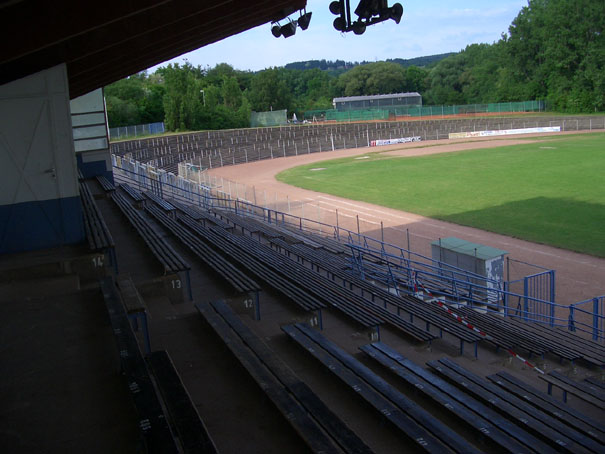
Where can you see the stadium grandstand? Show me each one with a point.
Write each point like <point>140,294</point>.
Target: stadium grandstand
<point>378,101</point>
<point>140,317</point>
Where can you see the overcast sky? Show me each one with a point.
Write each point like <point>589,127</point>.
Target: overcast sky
<point>428,27</point>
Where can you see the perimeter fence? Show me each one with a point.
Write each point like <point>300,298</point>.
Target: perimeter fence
<point>147,129</point>
<point>423,111</point>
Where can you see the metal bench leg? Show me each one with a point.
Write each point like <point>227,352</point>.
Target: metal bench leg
<point>134,321</point>
<point>461,347</point>
<point>476,349</point>
<point>550,389</point>
<point>113,259</point>
<point>146,332</point>
<point>564,396</point>
<point>256,305</point>
<point>321,322</point>
<point>188,283</point>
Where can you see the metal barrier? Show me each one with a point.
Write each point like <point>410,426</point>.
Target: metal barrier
<point>538,296</point>
<point>382,113</point>
<point>399,269</point>
<point>136,130</point>
<point>596,317</point>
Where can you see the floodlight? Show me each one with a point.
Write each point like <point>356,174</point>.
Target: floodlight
<point>276,30</point>
<point>366,9</point>
<point>340,24</point>
<point>304,19</point>
<point>396,12</point>
<point>369,12</point>
<point>359,27</point>
<point>289,29</point>
<point>336,7</point>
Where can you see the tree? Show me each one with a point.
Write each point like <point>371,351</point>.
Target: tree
<point>372,79</point>
<point>183,98</point>
<point>231,92</point>
<point>269,91</point>
<point>415,79</point>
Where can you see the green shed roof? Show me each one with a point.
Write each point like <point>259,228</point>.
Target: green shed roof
<point>467,248</point>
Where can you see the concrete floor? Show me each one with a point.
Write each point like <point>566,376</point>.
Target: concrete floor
<point>60,388</point>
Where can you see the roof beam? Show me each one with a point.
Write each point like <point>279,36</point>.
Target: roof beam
<point>100,53</point>
<point>46,24</point>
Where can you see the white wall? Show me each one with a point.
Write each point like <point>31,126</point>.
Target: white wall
<point>37,159</point>
<point>39,196</point>
<point>90,134</point>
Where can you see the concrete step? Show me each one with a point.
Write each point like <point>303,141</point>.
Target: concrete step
<point>40,287</point>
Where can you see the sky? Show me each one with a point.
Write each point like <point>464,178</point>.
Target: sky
<point>428,27</point>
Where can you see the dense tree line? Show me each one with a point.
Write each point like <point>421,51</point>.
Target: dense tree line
<point>337,67</point>
<point>554,50</point>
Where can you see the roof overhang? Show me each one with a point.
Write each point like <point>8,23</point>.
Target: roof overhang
<point>102,42</point>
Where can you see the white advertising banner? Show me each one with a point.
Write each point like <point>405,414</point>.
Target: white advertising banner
<point>503,132</point>
<point>377,143</point>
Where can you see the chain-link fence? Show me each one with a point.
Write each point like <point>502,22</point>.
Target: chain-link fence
<point>424,111</point>
<point>272,118</point>
<point>124,132</point>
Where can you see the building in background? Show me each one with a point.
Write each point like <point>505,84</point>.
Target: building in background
<point>384,102</point>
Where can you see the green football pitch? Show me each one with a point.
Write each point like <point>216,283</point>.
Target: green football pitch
<point>549,191</point>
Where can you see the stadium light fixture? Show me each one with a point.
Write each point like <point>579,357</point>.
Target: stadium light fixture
<point>368,12</point>
<point>290,28</point>
<point>304,19</point>
<point>276,30</point>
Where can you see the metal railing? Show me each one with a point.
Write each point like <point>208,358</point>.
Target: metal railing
<point>147,129</point>
<point>590,320</point>
<point>400,270</point>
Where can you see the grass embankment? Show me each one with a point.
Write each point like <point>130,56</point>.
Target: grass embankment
<point>550,192</point>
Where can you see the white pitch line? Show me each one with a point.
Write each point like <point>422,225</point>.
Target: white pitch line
<point>364,211</point>
<point>365,208</point>
<point>361,219</point>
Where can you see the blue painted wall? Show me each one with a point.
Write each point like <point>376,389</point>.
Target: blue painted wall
<point>92,169</point>
<point>37,225</point>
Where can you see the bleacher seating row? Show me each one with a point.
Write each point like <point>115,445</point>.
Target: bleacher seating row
<point>585,391</point>
<point>419,426</point>
<point>254,265</point>
<point>534,338</point>
<point>105,183</point>
<point>497,433</point>
<point>180,428</point>
<point>219,148</point>
<point>494,419</point>
<point>549,430</point>
<point>503,333</point>
<point>240,281</point>
<point>317,425</point>
<point>170,260</point>
<point>416,309</point>
<point>155,431</point>
<point>550,405</point>
<point>500,413</point>
<point>98,235</point>
<point>307,281</point>
<point>308,289</point>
